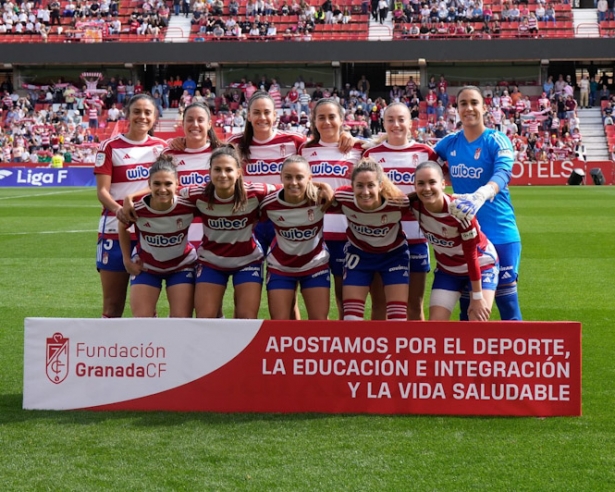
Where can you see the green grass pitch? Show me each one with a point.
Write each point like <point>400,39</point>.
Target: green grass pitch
<point>47,250</point>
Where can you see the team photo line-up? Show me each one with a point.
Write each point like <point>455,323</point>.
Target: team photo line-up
<point>194,212</point>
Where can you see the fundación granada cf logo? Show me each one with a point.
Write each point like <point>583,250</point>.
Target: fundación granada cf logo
<point>57,358</point>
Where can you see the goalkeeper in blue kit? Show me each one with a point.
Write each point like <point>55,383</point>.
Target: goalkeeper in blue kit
<point>480,164</point>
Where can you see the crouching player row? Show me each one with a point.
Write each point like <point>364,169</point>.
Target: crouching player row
<point>373,206</point>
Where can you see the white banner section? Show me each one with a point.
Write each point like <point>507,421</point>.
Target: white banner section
<point>78,363</point>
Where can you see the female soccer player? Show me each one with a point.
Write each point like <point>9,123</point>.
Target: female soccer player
<point>298,255</point>
<point>466,259</point>
<point>376,241</point>
<point>399,155</point>
<point>230,208</point>
<point>333,166</point>
<point>480,165</point>
<point>163,253</point>
<point>193,161</point>
<point>121,168</point>
<point>263,148</point>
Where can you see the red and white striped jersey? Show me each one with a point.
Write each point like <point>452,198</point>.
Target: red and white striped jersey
<point>298,246</point>
<point>399,164</point>
<point>162,236</point>
<point>330,165</point>
<point>128,163</point>
<point>266,157</point>
<point>192,170</point>
<point>228,242</point>
<point>458,250</point>
<point>373,231</point>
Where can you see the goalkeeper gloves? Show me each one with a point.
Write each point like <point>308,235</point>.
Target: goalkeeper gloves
<point>465,207</point>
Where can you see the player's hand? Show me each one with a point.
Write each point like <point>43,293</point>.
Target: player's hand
<point>465,207</point>
<point>177,143</point>
<point>325,195</point>
<point>478,310</point>
<point>134,265</point>
<point>346,142</point>
<point>128,211</point>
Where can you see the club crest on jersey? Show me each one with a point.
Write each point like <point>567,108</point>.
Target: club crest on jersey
<point>415,160</point>
<point>56,361</point>
<point>179,223</point>
<point>444,232</point>
<point>282,150</point>
<point>310,215</point>
<point>477,154</point>
<point>384,219</point>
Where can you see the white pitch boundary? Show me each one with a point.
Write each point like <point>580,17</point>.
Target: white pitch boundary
<point>42,194</point>
<point>47,232</point>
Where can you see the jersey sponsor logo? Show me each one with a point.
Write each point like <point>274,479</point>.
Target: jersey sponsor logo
<point>100,159</point>
<point>506,276</point>
<point>399,177</point>
<point>436,241</point>
<point>382,160</point>
<point>194,178</point>
<point>295,234</point>
<point>326,169</point>
<point>314,154</point>
<point>466,236</point>
<point>137,173</point>
<point>370,231</point>
<point>148,225</point>
<point>224,224</point>
<point>463,171</point>
<point>159,240</point>
<point>280,219</point>
<point>262,167</point>
<point>126,157</point>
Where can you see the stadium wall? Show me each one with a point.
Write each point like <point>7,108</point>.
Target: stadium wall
<point>310,52</point>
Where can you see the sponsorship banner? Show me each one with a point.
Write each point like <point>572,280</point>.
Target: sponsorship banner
<point>557,172</point>
<point>446,368</point>
<point>46,177</point>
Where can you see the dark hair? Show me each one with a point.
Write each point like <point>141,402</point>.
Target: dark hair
<point>471,88</point>
<point>315,133</point>
<point>212,137</point>
<point>240,196</point>
<point>136,98</point>
<point>248,131</point>
<point>164,163</point>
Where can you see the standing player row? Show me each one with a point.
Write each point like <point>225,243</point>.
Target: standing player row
<point>263,148</point>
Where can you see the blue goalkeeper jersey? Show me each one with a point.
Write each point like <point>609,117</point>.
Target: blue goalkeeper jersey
<point>472,165</point>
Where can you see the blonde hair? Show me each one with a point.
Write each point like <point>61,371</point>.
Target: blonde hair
<point>367,164</point>
<point>311,191</point>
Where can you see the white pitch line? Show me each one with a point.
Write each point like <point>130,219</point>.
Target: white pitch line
<point>47,232</point>
<point>40,194</point>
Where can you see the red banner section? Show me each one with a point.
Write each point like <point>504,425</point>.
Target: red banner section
<point>449,368</point>
<point>558,172</point>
